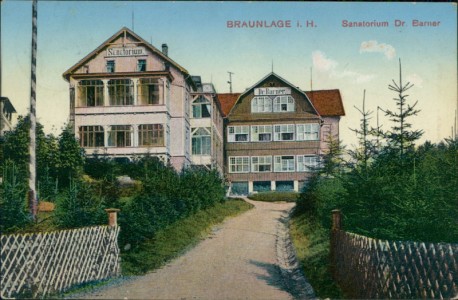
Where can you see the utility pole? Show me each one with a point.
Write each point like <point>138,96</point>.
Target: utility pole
<point>230,81</point>
<point>32,195</point>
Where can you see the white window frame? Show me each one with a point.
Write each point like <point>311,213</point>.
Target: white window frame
<point>283,104</point>
<point>97,91</point>
<point>148,91</point>
<point>120,136</point>
<point>307,163</point>
<point>257,161</point>
<point>280,129</point>
<point>239,164</point>
<point>261,104</point>
<point>234,131</point>
<point>151,135</point>
<point>197,107</point>
<point>201,140</point>
<point>308,132</point>
<point>91,136</point>
<point>282,163</point>
<point>256,130</point>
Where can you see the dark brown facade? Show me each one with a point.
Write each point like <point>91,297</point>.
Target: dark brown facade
<point>288,152</point>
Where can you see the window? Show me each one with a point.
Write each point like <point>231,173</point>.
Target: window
<point>262,186</point>
<point>151,135</point>
<point>306,163</point>
<point>261,133</point>
<point>284,163</point>
<point>261,104</point>
<point>238,133</point>
<point>201,141</point>
<point>284,132</point>
<point>201,108</point>
<point>120,136</point>
<point>308,132</point>
<point>261,164</point>
<point>141,65</point>
<point>148,91</point>
<point>90,93</point>
<point>121,92</point>
<point>110,66</point>
<point>239,164</point>
<point>91,136</point>
<point>283,104</point>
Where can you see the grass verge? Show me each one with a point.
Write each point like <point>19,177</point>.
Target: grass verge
<point>274,196</point>
<point>311,242</point>
<point>178,237</point>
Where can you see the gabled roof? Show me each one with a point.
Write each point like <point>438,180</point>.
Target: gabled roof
<point>227,101</point>
<point>105,44</point>
<point>9,106</point>
<point>279,78</point>
<point>327,102</point>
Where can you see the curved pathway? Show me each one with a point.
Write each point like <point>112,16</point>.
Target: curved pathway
<point>238,261</point>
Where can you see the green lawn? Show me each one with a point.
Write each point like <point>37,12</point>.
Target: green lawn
<point>311,242</point>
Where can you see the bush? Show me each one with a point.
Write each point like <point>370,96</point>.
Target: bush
<point>13,208</point>
<point>275,196</point>
<point>79,206</point>
<point>394,197</point>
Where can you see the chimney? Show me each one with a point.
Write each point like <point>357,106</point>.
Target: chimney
<point>165,49</point>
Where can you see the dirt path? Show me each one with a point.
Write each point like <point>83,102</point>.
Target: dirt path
<point>238,261</point>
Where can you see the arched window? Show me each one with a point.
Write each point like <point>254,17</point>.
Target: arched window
<point>283,104</point>
<point>261,104</point>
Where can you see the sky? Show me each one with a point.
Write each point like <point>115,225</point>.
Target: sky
<point>327,55</point>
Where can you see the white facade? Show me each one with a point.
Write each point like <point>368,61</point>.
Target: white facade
<point>127,98</point>
<point>206,127</point>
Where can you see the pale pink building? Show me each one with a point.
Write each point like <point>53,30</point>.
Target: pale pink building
<point>128,98</point>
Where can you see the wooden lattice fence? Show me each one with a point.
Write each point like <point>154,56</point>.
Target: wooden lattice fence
<point>37,264</point>
<point>373,268</point>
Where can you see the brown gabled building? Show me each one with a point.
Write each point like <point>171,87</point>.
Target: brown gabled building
<point>275,134</point>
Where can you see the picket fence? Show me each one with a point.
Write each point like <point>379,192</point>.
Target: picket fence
<point>38,264</point>
<point>371,268</point>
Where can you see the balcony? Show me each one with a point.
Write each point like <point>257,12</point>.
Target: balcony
<point>128,109</point>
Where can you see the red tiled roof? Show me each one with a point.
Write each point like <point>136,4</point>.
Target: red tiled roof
<point>227,101</point>
<point>327,102</point>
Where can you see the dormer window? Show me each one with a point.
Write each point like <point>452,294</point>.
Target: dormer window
<point>283,104</point>
<point>110,66</point>
<point>141,65</point>
<point>261,104</point>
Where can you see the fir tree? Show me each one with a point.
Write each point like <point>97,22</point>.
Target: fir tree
<point>401,137</point>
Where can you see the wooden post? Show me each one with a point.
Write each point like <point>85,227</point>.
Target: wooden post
<point>336,226</point>
<point>336,219</point>
<point>112,216</point>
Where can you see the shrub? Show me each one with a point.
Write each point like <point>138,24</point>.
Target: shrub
<point>13,213</point>
<point>275,196</point>
<point>79,206</point>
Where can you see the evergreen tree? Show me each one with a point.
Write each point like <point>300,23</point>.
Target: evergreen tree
<point>401,137</point>
<point>366,148</point>
<point>71,157</point>
<point>13,209</point>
